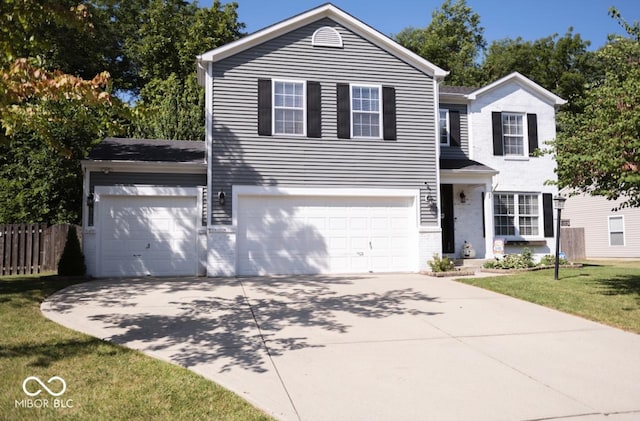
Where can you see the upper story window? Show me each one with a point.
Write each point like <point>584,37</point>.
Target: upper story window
<point>289,107</point>
<point>514,134</point>
<point>444,127</point>
<point>516,214</point>
<point>366,111</point>
<point>616,230</point>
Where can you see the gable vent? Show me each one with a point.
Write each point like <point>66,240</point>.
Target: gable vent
<point>327,37</point>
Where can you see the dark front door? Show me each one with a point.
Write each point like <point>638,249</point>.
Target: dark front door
<point>446,203</point>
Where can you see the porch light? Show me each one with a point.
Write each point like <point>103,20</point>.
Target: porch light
<point>90,200</point>
<point>463,198</point>
<point>221,198</point>
<point>558,204</point>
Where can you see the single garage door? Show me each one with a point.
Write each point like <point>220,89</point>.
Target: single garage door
<point>309,234</point>
<point>148,235</point>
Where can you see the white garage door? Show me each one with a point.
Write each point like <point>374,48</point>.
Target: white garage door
<point>308,234</point>
<point>147,235</point>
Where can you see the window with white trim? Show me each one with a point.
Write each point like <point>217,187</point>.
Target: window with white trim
<point>516,214</point>
<point>444,127</point>
<point>616,230</point>
<point>513,134</point>
<point>289,99</point>
<point>366,111</point>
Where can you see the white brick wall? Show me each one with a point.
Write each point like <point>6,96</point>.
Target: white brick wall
<point>221,257</point>
<point>429,243</point>
<point>516,174</point>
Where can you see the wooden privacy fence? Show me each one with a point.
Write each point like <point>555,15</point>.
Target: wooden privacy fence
<point>31,248</point>
<point>572,243</point>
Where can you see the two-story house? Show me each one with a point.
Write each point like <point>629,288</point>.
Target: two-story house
<point>329,148</point>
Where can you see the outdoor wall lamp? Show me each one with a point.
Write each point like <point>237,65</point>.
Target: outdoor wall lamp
<point>463,198</point>
<point>90,200</point>
<point>221,198</point>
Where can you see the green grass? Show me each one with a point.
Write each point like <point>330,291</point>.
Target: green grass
<point>104,381</point>
<point>606,292</point>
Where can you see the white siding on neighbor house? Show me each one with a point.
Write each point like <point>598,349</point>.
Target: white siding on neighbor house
<point>242,157</point>
<point>592,214</point>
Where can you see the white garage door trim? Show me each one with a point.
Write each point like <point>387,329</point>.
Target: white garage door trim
<point>238,192</point>
<point>103,193</point>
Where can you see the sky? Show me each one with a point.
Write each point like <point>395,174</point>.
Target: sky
<point>529,19</point>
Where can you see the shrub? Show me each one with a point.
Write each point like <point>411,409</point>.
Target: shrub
<point>441,265</point>
<point>72,260</point>
<point>513,261</point>
<point>550,260</point>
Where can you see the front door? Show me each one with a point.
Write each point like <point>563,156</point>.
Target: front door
<point>446,216</point>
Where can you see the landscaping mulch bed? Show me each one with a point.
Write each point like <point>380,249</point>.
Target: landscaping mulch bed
<point>452,273</point>
<point>572,266</point>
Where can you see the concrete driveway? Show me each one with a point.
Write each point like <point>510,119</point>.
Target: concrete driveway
<point>369,347</point>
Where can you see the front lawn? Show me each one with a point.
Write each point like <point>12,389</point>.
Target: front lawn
<point>104,381</point>
<point>606,292</point>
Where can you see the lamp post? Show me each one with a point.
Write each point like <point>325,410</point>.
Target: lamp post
<point>558,204</point>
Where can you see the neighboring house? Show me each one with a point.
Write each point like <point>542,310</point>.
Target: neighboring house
<point>329,149</point>
<point>608,233</point>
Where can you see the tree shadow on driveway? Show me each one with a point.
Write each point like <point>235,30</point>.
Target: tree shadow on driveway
<point>235,322</point>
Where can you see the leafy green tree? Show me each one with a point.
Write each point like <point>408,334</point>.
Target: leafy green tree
<point>170,103</point>
<point>454,40</point>
<point>170,109</point>
<point>560,64</point>
<point>598,146</point>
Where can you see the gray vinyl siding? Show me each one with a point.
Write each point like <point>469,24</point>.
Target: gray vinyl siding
<point>147,179</point>
<point>462,151</point>
<point>241,157</point>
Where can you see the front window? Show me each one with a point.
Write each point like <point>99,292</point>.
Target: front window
<point>444,127</point>
<point>513,134</point>
<point>288,107</point>
<point>366,111</point>
<point>516,214</point>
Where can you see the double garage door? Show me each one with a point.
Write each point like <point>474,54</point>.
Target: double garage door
<point>141,235</point>
<point>297,234</point>
<point>148,236</point>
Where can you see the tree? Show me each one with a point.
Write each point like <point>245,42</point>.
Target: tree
<point>172,33</point>
<point>72,260</point>
<point>560,64</point>
<point>598,146</point>
<point>453,41</point>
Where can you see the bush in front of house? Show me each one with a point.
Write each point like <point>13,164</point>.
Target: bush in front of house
<point>550,260</point>
<point>441,264</point>
<point>513,261</point>
<point>71,262</point>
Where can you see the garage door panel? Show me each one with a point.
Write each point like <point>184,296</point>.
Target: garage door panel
<point>324,234</point>
<point>148,235</point>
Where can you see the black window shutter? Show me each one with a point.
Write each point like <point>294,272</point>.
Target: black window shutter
<point>389,113</point>
<point>496,120</point>
<point>483,223</point>
<point>264,107</point>
<point>314,119</point>
<point>344,111</point>
<point>454,128</point>
<point>547,212</point>
<point>532,129</point>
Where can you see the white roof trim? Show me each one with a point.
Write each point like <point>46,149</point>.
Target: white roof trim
<point>524,82</point>
<point>325,11</point>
